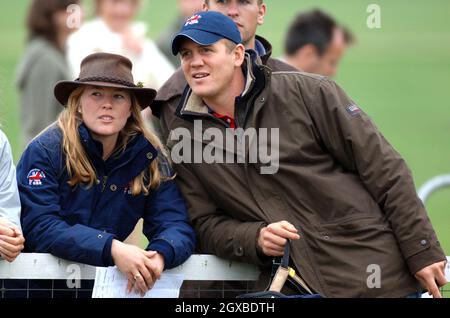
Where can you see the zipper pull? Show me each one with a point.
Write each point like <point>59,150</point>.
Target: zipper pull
<point>105,180</point>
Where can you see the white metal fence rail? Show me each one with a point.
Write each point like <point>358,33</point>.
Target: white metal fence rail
<point>433,185</point>
<point>197,267</point>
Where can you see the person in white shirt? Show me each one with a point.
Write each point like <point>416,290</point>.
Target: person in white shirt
<point>11,238</point>
<point>113,31</point>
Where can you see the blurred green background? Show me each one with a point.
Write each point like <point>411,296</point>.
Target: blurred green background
<point>399,74</point>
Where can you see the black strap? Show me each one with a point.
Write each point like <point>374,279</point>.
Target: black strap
<point>285,259</point>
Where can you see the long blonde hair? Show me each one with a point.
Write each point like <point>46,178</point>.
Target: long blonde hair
<point>78,164</point>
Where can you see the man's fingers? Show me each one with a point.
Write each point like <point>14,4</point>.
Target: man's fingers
<point>434,290</point>
<point>288,226</point>
<point>432,277</point>
<point>282,232</point>
<point>430,284</point>
<point>11,247</point>
<point>269,245</point>
<point>17,231</point>
<point>274,239</point>
<point>7,258</point>
<point>17,240</point>
<point>440,277</point>
<point>7,254</point>
<point>272,252</point>
<point>5,230</point>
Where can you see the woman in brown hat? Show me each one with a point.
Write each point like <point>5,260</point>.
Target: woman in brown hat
<point>85,181</point>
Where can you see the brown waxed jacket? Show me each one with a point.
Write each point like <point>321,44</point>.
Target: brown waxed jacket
<point>338,181</point>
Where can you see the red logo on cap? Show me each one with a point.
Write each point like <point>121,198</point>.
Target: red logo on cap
<point>193,20</point>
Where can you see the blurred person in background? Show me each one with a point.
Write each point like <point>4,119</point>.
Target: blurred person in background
<point>42,65</point>
<point>113,30</point>
<point>11,238</point>
<point>186,8</point>
<point>315,43</point>
<point>247,15</point>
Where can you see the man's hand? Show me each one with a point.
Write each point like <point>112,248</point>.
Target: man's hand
<point>141,267</point>
<point>432,277</point>
<point>11,241</point>
<point>273,237</point>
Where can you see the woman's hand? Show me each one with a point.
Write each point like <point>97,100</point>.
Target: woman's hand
<point>156,268</point>
<point>156,264</point>
<point>11,241</point>
<point>142,268</point>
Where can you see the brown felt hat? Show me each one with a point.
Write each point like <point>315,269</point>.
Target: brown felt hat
<point>106,70</point>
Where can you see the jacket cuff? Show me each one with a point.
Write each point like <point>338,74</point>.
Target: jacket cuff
<point>421,252</point>
<point>165,249</point>
<point>82,244</point>
<point>245,244</point>
<point>107,255</point>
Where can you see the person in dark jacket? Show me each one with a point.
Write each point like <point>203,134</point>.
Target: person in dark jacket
<point>85,181</point>
<point>263,157</point>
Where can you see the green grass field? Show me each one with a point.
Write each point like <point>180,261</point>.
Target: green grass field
<point>399,74</point>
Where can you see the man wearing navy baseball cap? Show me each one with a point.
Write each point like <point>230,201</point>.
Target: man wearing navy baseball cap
<point>247,15</point>
<point>211,55</point>
<point>332,187</point>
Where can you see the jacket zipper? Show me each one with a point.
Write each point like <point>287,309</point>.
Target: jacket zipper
<point>105,180</point>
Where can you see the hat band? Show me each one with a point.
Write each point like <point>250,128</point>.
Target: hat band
<point>106,79</point>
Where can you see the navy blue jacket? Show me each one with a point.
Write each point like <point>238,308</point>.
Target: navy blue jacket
<point>79,223</point>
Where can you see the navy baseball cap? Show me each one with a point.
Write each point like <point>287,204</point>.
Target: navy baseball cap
<point>206,28</point>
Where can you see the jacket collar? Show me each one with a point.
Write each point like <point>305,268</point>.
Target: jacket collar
<point>139,151</point>
<point>263,48</point>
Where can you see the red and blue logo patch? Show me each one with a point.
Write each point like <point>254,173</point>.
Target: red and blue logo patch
<point>353,110</point>
<point>193,20</point>
<point>35,177</point>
